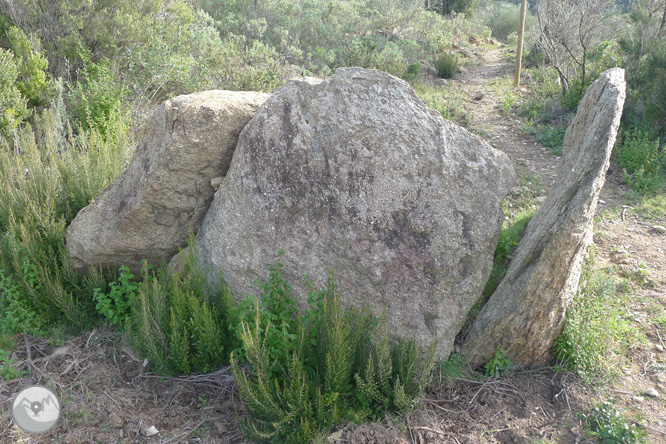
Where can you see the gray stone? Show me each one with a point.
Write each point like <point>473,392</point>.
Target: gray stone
<point>659,229</point>
<point>355,173</point>
<point>526,313</point>
<point>652,392</point>
<point>147,211</point>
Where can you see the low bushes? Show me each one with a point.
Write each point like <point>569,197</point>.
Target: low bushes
<point>446,65</point>
<point>298,373</point>
<point>178,322</point>
<point>49,174</point>
<point>644,163</point>
<point>597,333</point>
<point>313,370</point>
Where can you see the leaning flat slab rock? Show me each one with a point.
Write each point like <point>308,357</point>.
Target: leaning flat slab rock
<point>147,211</point>
<point>526,313</point>
<point>355,174</point>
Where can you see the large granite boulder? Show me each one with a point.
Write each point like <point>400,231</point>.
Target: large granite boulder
<point>354,173</point>
<point>166,189</point>
<point>526,313</point>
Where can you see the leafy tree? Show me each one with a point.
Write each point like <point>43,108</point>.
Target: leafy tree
<point>33,80</point>
<point>13,106</point>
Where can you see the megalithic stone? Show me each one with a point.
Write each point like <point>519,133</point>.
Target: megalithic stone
<point>526,314</point>
<point>354,173</point>
<point>147,211</point>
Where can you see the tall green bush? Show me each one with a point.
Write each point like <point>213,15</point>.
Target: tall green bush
<point>178,321</point>
<point>33,79</point>
<point>446,65</point>
<point>642,46</point>
<point>96,99</point>
<point>49,174</point>
<point>311,371</point>
<point>13,106</point>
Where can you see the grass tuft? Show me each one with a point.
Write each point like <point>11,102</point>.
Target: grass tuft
<point>598,333</point>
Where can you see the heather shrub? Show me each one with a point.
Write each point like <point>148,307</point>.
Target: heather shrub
<point>49,174</point>
<point>643,161</point>
<point>309,371</point>
<point>179,322</point>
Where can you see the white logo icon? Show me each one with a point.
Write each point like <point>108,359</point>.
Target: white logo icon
<point>36,409</point>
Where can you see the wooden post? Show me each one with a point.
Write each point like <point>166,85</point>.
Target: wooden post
<point>519,51</point>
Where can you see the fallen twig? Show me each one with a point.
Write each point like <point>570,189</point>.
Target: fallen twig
<point>428,429</point>
<point>113,400</point>
<point>184,434</point>
<point>32,364</point>
<point>654,430</point>
<point>661,340</point>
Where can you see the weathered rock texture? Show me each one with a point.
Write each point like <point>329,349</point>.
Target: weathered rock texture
<point>146,212</point>
<point>526,313</point>
<point>355,173</point>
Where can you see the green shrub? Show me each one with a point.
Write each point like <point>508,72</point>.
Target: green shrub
<point>499,365</point>
<point>33,79</point>
<point>96,99</point>
<point>608,425</point>
<point>508,101</point>
<point>544,100</point>
<point>116,305</point>
<point>391,59</point>
<point>179,322</point>
<point>552,137</point>
<point>446,65</point>
<point>8,366</point>
<point>13,106</point>
<point>311,371</point>
<point>413,73</point>
<point>17,315</point>
<point>451,369</point>
<point>512,232</point>
<point>447,7</point>
<point>48,176</point>
<point>392,379</point>
<point>597,333</point>
<point>643,162</point>
<point>276,310</point>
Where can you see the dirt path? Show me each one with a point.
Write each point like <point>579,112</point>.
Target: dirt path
<point>483,85</point>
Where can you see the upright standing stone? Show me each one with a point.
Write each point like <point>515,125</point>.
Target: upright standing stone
<point>146,212</point>
<point>355,173</point>
<point>526,313</point>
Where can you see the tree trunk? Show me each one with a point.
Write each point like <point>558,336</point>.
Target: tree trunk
<point>526,313</point>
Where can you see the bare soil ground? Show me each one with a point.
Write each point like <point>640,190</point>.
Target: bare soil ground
<point>107,396</point>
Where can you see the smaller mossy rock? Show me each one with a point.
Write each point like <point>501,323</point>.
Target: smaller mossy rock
<point>166,188</point>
